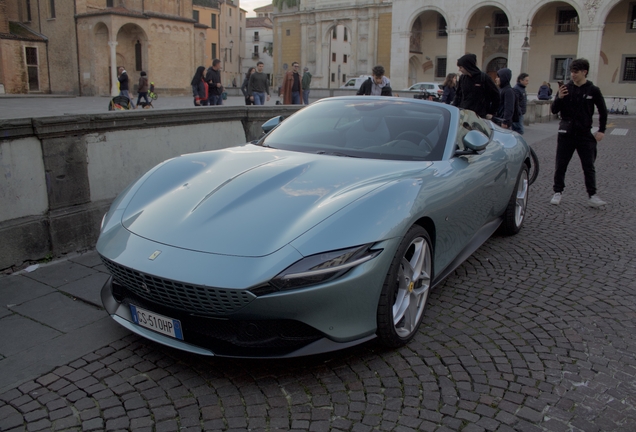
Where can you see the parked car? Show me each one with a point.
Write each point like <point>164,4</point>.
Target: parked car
<point>355,83</point>
<point>329,231</point>
<point>430,87</point>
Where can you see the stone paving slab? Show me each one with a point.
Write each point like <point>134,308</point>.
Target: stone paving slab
<point>535,332</point>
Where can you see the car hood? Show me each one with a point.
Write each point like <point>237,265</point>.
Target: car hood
<point>249,200</point>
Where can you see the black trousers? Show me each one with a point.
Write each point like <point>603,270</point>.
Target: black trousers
<point>585,146</point>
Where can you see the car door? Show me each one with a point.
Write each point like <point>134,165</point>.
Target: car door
<point>477,181</point>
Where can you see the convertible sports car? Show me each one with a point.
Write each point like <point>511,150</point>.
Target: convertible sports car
<point>329,231</point>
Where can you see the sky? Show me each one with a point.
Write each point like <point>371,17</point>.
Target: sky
<point>249,5</point>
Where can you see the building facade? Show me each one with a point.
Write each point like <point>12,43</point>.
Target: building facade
<point>305,33</point>
<point>259,43</point>
<point>421,41</point>
<point>207,14</point>
<point>82,42</point>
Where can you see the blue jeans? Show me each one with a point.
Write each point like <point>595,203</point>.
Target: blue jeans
<point>142,95</point>
<point>306,97</point>
<point>518,126</point>
<point>259,98</point>
<point>215,100</point>
<point>127,94</point>
<point>295,98</point>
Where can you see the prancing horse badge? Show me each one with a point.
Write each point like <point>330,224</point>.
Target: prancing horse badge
<point>154,255</point>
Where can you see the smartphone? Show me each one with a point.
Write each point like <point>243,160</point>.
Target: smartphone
<point>560,83</point>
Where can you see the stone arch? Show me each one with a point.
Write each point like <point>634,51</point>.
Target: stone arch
<point>495,62</point>
<point>100,81</point>
<point>339,68</point>
<point>537,7</point>
<point>425,44</point>
<point>483,5</point>
<point>482,38</point>
<point>605,9</point>
<point>132,42</point>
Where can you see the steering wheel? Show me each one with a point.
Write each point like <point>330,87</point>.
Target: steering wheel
<point>417,138</point>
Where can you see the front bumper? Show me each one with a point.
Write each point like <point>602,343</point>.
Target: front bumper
<point>225,338</point>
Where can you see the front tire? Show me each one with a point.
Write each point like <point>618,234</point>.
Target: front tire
<point>515,213</point>
<point>406,289</point>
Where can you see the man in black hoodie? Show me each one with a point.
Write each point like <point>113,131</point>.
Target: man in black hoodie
<point>476,91</point>
<point>508,110</point>
<point>575,101</point>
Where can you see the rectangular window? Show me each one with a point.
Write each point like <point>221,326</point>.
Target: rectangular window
<point>195,15</point>
<point>344,78</point>
<point>31,55</point>
<point>335,33</point>
<point>333,57</point>
<point>213,51</point>
<point>567,20</point>
<point>440,68</point>
<point>28,10</point>
<point>256,36</point>
<point>441,27</point>
<point>501,24</point>
<point>52,7</point>
<point>344,58</point>
<point>256,49</point>
<point>561,67</point>
<point>346,35</point>
<point>333,77</point>
<point>109,3</point>
<point>287,32</point>
<point>629,69</point>
<point>230,11</point>
<point>631,18</point>
<point>230,29</point>
<point>213,21</point>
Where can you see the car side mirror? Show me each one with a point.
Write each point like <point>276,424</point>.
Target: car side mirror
<point>272,123</point>
<point>474,141</point>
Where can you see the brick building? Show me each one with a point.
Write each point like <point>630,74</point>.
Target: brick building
<point>77,41</point>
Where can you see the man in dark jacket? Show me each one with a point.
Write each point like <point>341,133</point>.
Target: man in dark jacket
<point>507,100</point>
<point>213,78</point>
<point>522,98</point>
<point>124,86</point>
<point>378,86</point>
<point>476,91</point>
<point>576,101</point>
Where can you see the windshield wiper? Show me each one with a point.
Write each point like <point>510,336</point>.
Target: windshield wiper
<point>336,154</point>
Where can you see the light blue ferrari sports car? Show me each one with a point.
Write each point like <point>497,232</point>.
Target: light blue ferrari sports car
<point>329,231</point>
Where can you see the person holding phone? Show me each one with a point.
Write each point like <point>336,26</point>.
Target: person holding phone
<point>575,101</point>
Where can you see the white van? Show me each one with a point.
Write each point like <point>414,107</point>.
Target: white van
<point>355,83</point>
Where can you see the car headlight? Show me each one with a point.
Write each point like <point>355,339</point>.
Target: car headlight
<point>322,267</point>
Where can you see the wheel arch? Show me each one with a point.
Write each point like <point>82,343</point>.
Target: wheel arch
<point>428,224</point>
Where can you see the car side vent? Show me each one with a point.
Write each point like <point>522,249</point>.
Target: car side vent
<point>195,299</point>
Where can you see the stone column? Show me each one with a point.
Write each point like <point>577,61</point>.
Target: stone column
<point>114,91</point>
<point>455,48</point>
<point>590,39</point>
<point>400,41</point>
<point>515,44</point>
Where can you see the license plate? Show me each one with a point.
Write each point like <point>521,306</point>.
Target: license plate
<point>154,321</point>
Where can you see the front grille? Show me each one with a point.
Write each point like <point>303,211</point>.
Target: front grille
<point>243,338</point>
<point>195,299</point>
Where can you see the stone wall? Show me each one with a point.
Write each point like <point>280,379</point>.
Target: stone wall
<point>62,173</point>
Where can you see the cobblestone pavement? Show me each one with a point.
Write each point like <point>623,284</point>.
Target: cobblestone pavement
<point>532,333</point>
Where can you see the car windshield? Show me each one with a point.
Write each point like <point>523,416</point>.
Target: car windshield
<point>376,128</point>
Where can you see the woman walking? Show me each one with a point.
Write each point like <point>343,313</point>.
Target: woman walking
<point>142,90</point>
<point>199,87</point>
<point>450,87</point>
<point>245,85</point>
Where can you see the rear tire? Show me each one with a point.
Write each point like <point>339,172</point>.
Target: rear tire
<point>406,289</point>
<point>515,213</point>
